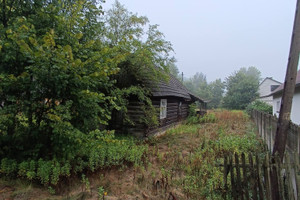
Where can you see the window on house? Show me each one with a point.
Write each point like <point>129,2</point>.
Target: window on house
<point>278,106</point>
<point>179,108</point>
<point>163,108</point>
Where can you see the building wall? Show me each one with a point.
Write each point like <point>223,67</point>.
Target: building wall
<point>295,115</point>
<point>295,112</point>
<point>175,114</point>
<point>265,89</point>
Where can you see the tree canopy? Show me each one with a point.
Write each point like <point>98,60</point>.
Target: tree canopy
<point>242,88</point>
<point>62,69</point>
<point>212,92</point>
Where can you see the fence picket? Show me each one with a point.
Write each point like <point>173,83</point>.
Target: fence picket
<point>251,178</point>
<point>233,185</point>
<point>259,181</point>
<point>238,176</point>
<point>245,177</point>
<point>267,178</point>
<point>253,174</point>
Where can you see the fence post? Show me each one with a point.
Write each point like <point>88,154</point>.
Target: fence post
<point>238,176</point>
<point>254,178</point>
<point>270,132</point>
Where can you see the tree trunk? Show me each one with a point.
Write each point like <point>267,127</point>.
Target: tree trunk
<point>286,101</point>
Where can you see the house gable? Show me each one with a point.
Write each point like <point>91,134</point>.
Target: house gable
<point>265,89</point>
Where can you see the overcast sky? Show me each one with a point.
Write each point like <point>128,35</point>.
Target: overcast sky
<point>217,37</point>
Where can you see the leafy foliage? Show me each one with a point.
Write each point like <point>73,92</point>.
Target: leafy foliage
<point>260,106</point>
<point>147,58</point>
<point>63,72</point>
<point>242,88</point>
<point>213,92</point>
<point>97,150</point>
<point>207,145</point>
<point>217,89</point>
<point>198,84</point>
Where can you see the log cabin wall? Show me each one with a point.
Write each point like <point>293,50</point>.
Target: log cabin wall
<point>135,113</point>
<point>177,110</point>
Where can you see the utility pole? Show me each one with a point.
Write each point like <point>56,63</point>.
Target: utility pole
<point>286,102</point>
<point>289,88</point>
<point>182,76</point>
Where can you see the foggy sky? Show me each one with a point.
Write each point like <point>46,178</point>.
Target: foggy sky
<point>217,37</point>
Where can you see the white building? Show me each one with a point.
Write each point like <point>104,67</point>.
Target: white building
<point>266,87</point>
<point>295,112</point>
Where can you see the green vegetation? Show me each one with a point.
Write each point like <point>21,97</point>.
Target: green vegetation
<point>185,162</point>
<point>212,91</point>
<point>242,88</point>
<point>93,151</point>
<point>64,71</point>
<point>203,177</point>
<point>260,106</point>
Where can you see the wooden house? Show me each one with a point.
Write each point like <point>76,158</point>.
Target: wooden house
<point>171,100</point>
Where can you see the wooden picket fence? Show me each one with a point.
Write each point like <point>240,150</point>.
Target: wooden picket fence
<point>248,176</point>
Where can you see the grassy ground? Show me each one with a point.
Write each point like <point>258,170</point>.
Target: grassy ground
<point>184,163</point>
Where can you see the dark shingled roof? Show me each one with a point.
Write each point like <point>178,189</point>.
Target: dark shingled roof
<point>280,88</point>
<point>173,87</point>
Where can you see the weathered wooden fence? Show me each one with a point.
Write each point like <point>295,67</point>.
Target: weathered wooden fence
<point>248,177</point>
<point>267,125</point>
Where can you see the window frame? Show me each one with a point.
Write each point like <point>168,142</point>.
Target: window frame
<point>163,108</point>
<point>278,104</point>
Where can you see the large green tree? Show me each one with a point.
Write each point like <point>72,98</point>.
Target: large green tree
<point>147,56</point>
<point>242,88</point>
<point>55,76</point>
<point>198,85</point>
<point>211,92</point>
<point>216,88</point>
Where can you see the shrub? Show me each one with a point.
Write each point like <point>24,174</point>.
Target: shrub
<point>208,118</point>
<point>93,151</point>
<point>192,109</point>
<point>260,106</point>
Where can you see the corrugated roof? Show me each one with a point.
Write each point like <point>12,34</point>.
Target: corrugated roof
<point>173,87</point>
<point>280,88</point>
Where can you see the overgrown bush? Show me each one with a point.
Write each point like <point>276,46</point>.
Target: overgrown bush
<point>192,109</point>
<point>96,150</point>
<point>260,106</point>
<point>207,118</point>
<point>58,87</point>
